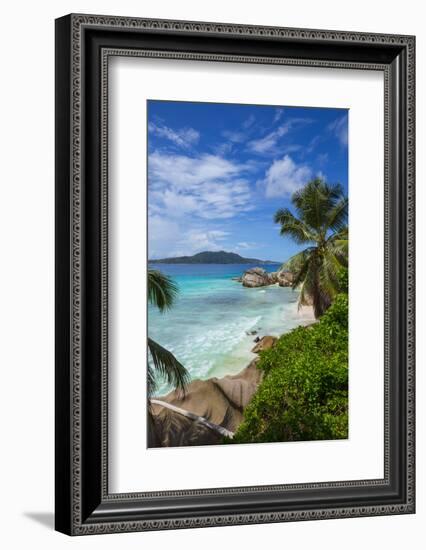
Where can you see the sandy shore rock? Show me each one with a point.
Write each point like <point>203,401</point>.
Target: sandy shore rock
<point>267,342</point>
<point>219,400</point>
<point>284,278</point>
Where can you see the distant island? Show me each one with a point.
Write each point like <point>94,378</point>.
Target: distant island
<point>220,257</point>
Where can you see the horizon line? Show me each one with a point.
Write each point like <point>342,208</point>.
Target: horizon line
<point>211,252</point>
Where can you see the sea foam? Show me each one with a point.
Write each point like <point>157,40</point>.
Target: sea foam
<point>208,328</point>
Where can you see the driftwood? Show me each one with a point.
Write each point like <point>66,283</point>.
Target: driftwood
<point>195,417</point>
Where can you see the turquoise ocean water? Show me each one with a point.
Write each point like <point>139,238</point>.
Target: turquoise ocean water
<point>207,327</point>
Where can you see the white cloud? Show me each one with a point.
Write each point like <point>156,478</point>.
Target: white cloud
<point>284,177</point>
<point>218,234</point>
<point>207,186</point>
<point>268,142</point>
<point>159,231</point>
<point>246,246</point>
<point>185,172</point>
<point>278,114</point>
<point>322,158</point>
<point>235,137</point>
<point>168,239</point>
<point>192,194</point>
<point>294,148</point>
<point>223,149</point>
<point>249,121</point>
<point>339,127</point>
<point>183,137</point>
<point>315,141</point>
<point>176,203</point>
<point>198,239</point>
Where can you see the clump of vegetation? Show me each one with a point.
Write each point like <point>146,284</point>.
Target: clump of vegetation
<point>304,392</point>
<point>162,292</point>
<point>320,223</point>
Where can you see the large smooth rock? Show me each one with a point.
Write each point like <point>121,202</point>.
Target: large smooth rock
<point>254,277</point>
<point>267,342</point>
<point>257,276</point>
<point>285,278</point>
<point>273,277</point>
<point>219,400</point>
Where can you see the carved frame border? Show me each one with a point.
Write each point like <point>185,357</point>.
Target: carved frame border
<point>78,23</point>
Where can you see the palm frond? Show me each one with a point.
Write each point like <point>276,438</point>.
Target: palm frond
<point>162,290</point>
<point>300,275</point>
<point>342,234</point>
<point>314,202</point>
<point>340,249</point>
<point>150,379</point>
<point>166,364</point>
<point>338,216</point>
<point>295,263</point>
<point>293,227</point>
<point>338,244</point>
<point>329,274</point>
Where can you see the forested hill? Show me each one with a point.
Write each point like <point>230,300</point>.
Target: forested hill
<point>220,257</point>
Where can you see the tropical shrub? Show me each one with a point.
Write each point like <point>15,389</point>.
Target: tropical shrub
<point>304,391</point>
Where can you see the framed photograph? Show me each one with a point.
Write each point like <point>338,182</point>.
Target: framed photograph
<point>234,274</point>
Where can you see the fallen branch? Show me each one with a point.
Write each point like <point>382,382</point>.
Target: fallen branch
<point>195,417</point>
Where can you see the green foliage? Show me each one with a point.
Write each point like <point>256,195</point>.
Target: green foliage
<point>166,364</point>
<point>343,278</point>
<point>162,291</point>
<point>304,391</point>
<point>320,222</point>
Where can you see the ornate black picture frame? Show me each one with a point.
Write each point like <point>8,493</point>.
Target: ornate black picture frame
<point>84,44</point>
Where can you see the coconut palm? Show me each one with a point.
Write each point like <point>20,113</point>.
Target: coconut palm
<point>321,223</point>
<point>162,291</point>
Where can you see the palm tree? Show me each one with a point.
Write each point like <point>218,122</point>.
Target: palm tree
<point>320,222</point>
<point>162,292</point>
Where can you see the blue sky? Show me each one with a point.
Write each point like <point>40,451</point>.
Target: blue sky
<point>217,173</point>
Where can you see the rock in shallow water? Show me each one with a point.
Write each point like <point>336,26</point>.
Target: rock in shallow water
<point>267,342</point>
<point>257,276</point>
<point>254,277</point>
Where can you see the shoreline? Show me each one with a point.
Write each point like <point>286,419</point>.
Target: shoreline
<point>213,404</point>
<point>241,355</point>
<point>216,341</point>
<point>305,316</point>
